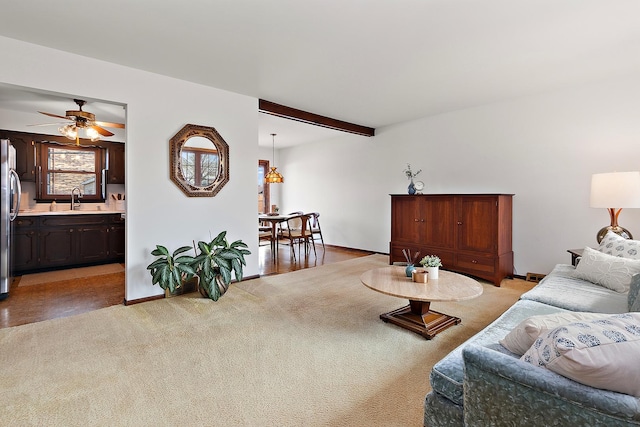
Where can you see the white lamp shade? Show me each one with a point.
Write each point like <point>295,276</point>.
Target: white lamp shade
<point>615,190</point>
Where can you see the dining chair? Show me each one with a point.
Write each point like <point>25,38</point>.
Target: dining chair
<point>315,227</point>
<point>282,233</point>
<point>298,231</point>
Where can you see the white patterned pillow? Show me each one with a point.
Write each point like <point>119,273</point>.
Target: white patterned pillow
<point>613,244</point>
<point>607,270</point>
<point>521,338</point>
<point>599,353</point>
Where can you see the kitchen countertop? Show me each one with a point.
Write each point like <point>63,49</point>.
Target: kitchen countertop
<point>68,212</point>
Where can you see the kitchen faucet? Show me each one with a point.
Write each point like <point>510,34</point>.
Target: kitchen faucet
<point>75,204</point>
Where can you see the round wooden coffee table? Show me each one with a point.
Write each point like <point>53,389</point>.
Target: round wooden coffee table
<point>417,316</point>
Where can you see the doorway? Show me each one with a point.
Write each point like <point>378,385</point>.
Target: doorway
<point>63,293</point>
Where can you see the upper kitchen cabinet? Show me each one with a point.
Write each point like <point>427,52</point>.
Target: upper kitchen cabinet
<point>25,144</point>
<point>25,153</point>
<point>116,163</point>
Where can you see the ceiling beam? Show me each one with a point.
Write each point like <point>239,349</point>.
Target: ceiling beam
<point>274,109</point>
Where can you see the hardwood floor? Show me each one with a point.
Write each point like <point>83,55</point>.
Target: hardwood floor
<point>35,303</point>
<point>285,262</point>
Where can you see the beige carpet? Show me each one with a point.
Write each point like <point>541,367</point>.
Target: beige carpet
<point>301,349</point>
<point>70,274</point>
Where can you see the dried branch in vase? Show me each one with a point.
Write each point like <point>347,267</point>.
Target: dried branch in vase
<point>411,260</point>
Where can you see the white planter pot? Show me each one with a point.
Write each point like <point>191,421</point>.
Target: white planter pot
<point>433,273</point>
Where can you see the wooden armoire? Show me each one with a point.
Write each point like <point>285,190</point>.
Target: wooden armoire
<point>471,233</point>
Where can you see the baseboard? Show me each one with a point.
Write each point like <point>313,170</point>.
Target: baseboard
<point>139,300</point>
<point>364,251</point>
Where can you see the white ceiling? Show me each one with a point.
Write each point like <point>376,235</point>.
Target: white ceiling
<point>370,62</point>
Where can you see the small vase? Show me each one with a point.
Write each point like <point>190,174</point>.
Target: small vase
<point>433,273</point>
<point>409,270</point>
<point>412,188</point>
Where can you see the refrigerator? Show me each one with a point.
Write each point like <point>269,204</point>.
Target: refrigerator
<point>9,205</point>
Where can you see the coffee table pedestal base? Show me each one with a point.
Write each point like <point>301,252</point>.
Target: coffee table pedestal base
<point>418,318</point>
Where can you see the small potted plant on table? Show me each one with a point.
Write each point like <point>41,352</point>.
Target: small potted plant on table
<point>432,263</point>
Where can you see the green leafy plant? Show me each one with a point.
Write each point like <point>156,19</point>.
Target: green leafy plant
<point>169,271</point>
<point>215,265</point>
<point>431,261</point>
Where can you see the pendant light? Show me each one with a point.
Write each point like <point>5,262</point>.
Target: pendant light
<point>273,177</point>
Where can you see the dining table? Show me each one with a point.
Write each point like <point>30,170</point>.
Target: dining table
<point>274,220</point>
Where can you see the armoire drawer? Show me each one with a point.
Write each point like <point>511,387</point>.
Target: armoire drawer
<point>477,263</point>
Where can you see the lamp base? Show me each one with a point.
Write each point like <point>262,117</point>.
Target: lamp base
<point>621,231</point>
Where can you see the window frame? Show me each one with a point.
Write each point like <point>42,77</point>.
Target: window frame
<point>198,154</point>
<point>42,164</point>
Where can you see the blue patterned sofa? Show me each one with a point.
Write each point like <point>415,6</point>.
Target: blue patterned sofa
<point>482,383</point>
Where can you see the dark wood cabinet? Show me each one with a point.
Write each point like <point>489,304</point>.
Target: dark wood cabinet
<point>470,233</point>
<point>115,164</point>
<point>24,244</point>
<point>25,153</point>
<point>25,144</point>
<point>93,244</point>
<point>116,239</point>
<point>47,242</point>
<point>57,247</point>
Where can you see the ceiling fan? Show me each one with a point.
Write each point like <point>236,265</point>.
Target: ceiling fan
<point>82,120</point>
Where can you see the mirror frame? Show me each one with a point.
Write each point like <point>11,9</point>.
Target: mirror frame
<point>175,147</point>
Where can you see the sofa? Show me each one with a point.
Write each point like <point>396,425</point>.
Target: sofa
<point>481,382</point>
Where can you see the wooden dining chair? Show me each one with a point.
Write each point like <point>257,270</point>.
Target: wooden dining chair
<point>298,231</point>
<point>315,227</point>
<point>282,232</point>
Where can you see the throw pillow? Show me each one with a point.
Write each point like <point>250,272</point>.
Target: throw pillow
<point>599,353</point>
<point>607,270</point>
<point>521,338</point>
<point>616,245</point>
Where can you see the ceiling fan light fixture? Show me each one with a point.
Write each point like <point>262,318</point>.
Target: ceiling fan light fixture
<point>69,131</point>
<point>93,130</point>
<point>92,134</point>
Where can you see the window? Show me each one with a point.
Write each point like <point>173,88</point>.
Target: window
<point>199,165</point>
<point>63,168</point>
<point>263,189</point>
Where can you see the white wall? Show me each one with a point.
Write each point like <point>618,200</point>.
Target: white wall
<point>157,107</point>
<point>543,149</point>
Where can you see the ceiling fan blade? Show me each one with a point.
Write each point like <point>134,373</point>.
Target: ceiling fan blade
<point>54,115</point>
<point>110,125</point>
<point>101,131</point>
<point>50,124</point>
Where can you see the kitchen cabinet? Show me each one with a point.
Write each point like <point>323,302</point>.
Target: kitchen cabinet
<point>116,162</point>
<point>471,233</point>
<point>48,242</point>
<point>25,153</point>
<point>116,238</point>
<point>24,244</point>
<point>25,143</point>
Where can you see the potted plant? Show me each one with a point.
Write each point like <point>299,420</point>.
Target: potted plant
<point>171,271</point>
<point>431,263</point>
<point>216,262</point>
<point>215,265</point>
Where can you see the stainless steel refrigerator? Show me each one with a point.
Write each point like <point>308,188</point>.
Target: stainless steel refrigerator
<point>10,203</point>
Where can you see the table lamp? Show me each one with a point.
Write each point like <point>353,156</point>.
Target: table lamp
<point>614,191</point>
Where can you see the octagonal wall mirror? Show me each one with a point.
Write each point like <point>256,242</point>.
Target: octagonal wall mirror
<point>199,159</point>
